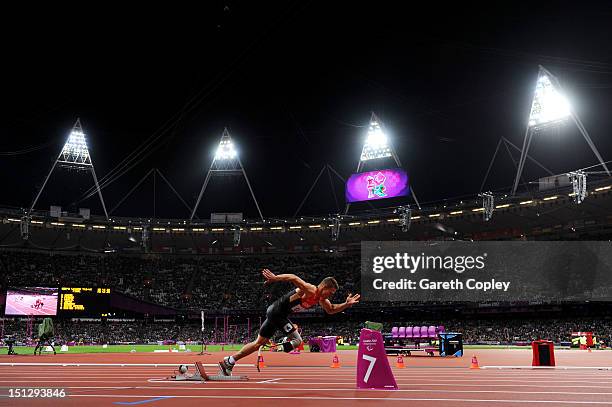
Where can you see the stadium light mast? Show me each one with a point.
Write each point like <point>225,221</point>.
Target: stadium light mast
<point>377,146</point>
<point>74,155</point>
<point>225,162</point>
<point>550,108</point>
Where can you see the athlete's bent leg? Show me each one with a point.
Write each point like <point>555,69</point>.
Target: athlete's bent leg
<point>250,348</point>
<point>228,362</point>
<point>265,333</point>
<point>293,341</point>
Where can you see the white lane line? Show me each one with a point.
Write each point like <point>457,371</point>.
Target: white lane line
<point>271,380</point>
<point>353,389</point>
<point>6,368</point>
<point>302,379</point>
<point>227,396</point>
<point>92,376</point>
<point>328,389</point>
<point>185,383</point>
<point>551,385</point>
<point>40,382</point>
<point>109,364</point>
<point>418,380</point>
<point>480,374</point>
<point>352,375</point>
<point>550,367</point>
<point>174,381</point>
<point>413,382</point>
<point>337,383</point>
<point>88,387</point>
<point>468,375</point>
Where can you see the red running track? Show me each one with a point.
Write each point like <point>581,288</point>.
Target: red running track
<point>307,380</point>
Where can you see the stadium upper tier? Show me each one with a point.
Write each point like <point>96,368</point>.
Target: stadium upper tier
<point>551,214</point>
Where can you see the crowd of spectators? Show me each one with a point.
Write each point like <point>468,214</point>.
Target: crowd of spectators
<point>234,283</point>
<point>182,282</point>
<point>526,330</point>
<point>500,332</point>
<point>118,332</point>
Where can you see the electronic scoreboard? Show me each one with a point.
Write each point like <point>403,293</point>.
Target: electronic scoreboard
<point>84,301</point>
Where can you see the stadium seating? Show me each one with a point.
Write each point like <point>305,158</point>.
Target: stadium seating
<point>431,332</point>
<point>394,332</point>
<point>188,283</point>
<point>424,332</point>
<point>402,332</point>
<point>408,332</point>
<point>416,332</point>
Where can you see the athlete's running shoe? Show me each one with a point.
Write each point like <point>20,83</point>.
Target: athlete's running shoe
<point>226,366</point>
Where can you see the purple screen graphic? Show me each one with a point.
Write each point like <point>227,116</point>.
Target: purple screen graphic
<point>380,184</point>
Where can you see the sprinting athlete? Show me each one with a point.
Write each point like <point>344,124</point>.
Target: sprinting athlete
<point>303,297</point>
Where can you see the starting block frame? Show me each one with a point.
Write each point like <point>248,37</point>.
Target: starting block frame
<point>200,375</point>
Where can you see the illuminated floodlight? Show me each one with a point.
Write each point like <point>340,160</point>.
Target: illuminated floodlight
<point>551,108</point>
<point>75,152</point>
<point>549,105</point>
<point>377,144</point>
<point>73,155</point>
<point>226,150</point>
<point>226,162</point>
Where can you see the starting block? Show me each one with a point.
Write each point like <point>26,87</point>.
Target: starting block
<point>200,375</point>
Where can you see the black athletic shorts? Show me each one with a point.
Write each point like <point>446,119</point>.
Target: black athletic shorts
<point>277,318</point>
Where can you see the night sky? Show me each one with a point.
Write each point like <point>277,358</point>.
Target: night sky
<point>295,84</point>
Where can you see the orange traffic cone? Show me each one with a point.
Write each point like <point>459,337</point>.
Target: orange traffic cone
<point>260,361</point>
<point>335,362</point>
<point>400,362</point>
<point>474,364</point>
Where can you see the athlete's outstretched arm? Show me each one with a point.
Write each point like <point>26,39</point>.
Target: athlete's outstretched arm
<point>335,308</point>
<point>292,278</point>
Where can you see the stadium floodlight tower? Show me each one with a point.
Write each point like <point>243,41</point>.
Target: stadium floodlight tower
<point>225,162</point>
<point>74,155</point>
<point>550,108</point>
<point>377,146</point>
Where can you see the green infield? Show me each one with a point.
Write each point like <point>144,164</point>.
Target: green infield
<point>126,348</point>
<point>25,350</point>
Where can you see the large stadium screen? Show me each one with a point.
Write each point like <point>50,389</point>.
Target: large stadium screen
<point>374,185</point>
<point>36,301</point>
<point>84,301</point>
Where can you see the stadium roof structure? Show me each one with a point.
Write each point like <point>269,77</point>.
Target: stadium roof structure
<point>549,108</point>
<point>549,215</point>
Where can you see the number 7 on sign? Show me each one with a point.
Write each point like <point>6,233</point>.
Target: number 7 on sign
<point>372,361</point>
